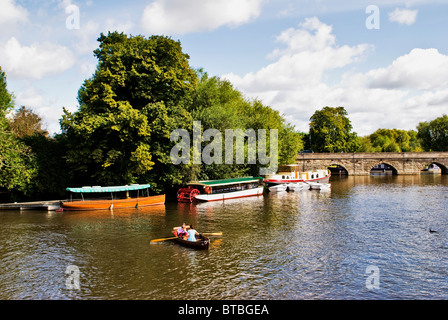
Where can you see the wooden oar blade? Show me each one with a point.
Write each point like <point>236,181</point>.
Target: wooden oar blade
<point>162,239</point>
<point>213,234</point>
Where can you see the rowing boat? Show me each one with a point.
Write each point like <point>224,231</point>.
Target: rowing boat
<point>202,243</point>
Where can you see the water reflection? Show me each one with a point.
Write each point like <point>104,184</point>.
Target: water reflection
<point>287,245</point>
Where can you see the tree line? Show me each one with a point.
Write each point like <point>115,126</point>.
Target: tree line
<point>142,90</point>
<point>331,131</point>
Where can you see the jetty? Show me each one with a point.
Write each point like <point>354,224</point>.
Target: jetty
<point>36,205</point>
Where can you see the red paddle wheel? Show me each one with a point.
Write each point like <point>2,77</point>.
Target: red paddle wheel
<point>187,194</point>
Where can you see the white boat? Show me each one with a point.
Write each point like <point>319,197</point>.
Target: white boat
<point>216,190</point>
<point>278,188</point>
<point>298,186</point>
<point>290,174</point>
<point>319,186</point>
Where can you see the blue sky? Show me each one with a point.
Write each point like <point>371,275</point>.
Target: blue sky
<point>296,56</point>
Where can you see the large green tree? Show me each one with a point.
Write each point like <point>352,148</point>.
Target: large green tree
<point>331,131</point>
<point>218,105</point>
<point>434,134</point>
<point>127,110</point>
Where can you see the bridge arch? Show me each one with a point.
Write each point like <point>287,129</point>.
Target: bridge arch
<point>337,169</point>
<point>443,167</point>
<point>360,164</point>
<point>390,166</point>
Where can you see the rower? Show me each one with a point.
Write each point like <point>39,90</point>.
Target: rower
<point>182,231</point>
<point>192,234</point>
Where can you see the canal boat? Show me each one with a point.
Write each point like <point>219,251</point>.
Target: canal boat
<point>108,198</point>
<point>218,190</point>
<point>202,243</point>
<point>291,174</point>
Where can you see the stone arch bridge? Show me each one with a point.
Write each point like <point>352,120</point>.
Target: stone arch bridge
<point>360,164</point>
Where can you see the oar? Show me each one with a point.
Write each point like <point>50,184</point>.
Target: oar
<point>162,239</point>
<point>171,238</point>
<point>205,234</point>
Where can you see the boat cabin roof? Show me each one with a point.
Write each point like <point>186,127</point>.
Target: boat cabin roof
<point>223,182</point>
<point>108,189</point>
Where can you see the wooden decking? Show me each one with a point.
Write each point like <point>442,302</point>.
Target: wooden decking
<point>37,205</point>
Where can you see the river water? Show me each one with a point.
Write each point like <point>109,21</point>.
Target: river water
<point>368,238</point>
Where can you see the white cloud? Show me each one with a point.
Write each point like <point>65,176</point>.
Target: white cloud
<point>310,50</point>
<point>403,16</point>
<point>113,25</point>
<point>10,14</point>
<point>29,97</point>
<point>86,36</point>
<point>35,61</point>
<point>421,69</point>
<point>295,79</point>
<point>181,17</point>
<point>411,89</point>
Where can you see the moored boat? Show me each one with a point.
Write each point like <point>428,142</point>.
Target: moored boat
<point>290,174</point>
<point>201,243</point>
<point>319,186</point>
<point>278,188</point>
<point>216,190</point>
<point>108,198</point>
<point>298,186</point>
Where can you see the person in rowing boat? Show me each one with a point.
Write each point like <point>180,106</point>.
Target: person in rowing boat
<point>192,234</point>
<point>182,231</point>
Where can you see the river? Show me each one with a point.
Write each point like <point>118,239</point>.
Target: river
<point>368,238</point>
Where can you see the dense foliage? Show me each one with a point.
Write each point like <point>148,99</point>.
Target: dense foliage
<point>391,140</point>
<point>142,91</point>
<point>136,98</point>
<point>331,131</point>
<point>434,134</point>
<point>218,105</point>
<point>16,161</point>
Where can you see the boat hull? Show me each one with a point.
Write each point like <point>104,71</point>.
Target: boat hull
<point>299,186</point>
<point>278,188</point>
<point>114,204</point>
<point>230,195</point>
<point>320,186</point>
<point>201,244</point>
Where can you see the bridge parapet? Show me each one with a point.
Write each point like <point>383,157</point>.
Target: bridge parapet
<point>362,163</point>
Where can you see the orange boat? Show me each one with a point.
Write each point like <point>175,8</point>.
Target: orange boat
<point>108,198</point>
